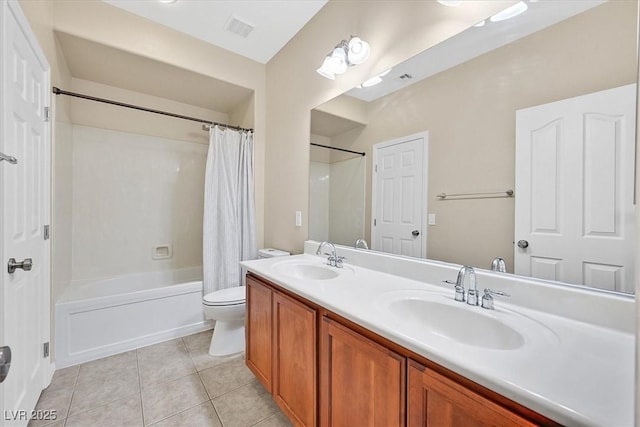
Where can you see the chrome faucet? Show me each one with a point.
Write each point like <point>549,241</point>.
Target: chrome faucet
<point>472,292</point>
<point>333,259</point>
<point>361,242</point>
<point>498,265</point>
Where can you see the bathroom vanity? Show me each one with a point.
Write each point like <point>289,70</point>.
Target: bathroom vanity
<point>361,346</point>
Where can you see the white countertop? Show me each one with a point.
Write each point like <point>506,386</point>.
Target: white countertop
<point>574,372</point>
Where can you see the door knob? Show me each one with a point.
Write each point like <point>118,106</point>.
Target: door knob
<point>523,244</point>
<point>415,233</point>
<point>5,362</point>
<point>26,265</point>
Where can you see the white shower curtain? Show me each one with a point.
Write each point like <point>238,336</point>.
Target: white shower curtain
<point>229,234</point>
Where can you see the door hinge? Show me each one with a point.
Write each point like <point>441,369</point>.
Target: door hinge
<point>376,168</point>
<point>47,114</point>
<point>46,233</point>
<point>374,222</point>
<point>45,349</point>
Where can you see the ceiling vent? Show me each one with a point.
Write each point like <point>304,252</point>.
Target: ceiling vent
<point>238,26</point>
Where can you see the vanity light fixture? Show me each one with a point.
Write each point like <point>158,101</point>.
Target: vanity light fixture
<point>510,12</point>
<point>344,55</point>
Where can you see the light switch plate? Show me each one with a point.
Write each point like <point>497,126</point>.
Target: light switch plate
<point>298,218</point>
<point>431,219</point>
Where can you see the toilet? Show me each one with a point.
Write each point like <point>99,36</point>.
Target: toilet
<point>228,307</point>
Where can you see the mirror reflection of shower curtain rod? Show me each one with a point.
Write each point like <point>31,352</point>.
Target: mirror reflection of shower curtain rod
<point>207,123</point>
<point>339,149</point>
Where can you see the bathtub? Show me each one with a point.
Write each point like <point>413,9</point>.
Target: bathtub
<point>99,318</point>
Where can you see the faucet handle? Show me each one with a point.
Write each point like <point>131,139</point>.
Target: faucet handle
<point>487,298</point>
<point>339,260</point>
<point>459,289</point>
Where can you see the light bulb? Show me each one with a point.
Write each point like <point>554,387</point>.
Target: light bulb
<point>325,70</point>
<point>338,61</point>
<point>358,50</point>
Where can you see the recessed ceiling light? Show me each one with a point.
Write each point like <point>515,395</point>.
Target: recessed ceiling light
<point>480,24</point>
<point>451,3</point>
<point>372,81</point>
<point>510,12</point>
<point>167,1</point>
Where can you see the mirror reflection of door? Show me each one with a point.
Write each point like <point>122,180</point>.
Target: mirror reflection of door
<point>574,204</point>
<point>398,196</point>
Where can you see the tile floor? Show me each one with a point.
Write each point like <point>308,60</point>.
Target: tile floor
<point>171,384</point>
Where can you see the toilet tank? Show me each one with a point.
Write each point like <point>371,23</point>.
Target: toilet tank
<point>270,253</point>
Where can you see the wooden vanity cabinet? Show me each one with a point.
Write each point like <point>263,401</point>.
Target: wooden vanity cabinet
<point>259,331</point>
<point>436,400</point>
<point>362,383</point>
<point>282,349</point>
<point>364,379</point>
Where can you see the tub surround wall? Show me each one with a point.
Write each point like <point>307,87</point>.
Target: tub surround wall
<point>132,193</point>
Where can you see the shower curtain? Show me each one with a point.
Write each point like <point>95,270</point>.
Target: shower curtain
<point>229,234</point>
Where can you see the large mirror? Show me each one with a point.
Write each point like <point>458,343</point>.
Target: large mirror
<point>513,139</point>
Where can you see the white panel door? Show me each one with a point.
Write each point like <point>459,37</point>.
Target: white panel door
<point>574,187</point>
<point>399,202</point>
<point>24,211</point>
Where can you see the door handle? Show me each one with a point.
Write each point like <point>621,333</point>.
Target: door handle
<point>12,265</point>
<point>9,159</point>
<point>5,362</point>
<point>415,233</point>
<point>523,244</point>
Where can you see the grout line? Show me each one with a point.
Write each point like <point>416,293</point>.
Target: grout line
<point>73,393</point>
<point>140,387</point>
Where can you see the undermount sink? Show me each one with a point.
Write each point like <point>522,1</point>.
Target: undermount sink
<point>306,270</point>
<point>433,316</point>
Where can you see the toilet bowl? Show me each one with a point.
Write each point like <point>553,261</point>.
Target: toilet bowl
<point>228,308</point>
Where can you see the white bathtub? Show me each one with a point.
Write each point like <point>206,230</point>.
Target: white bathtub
<point>95,319</point>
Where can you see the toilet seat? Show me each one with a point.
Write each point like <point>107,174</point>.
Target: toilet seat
<point>225,297</point>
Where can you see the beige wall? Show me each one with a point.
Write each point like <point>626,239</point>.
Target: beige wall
<point>469,112</point>
<point>395,30</point>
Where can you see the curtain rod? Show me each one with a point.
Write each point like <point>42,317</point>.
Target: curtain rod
<point>339,149</point>
<point>207,123</point>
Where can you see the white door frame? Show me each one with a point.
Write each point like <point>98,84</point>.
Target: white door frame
<point>424,135</point>
<point>12,7</point>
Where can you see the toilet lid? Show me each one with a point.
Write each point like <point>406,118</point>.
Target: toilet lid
<point>230,296</point>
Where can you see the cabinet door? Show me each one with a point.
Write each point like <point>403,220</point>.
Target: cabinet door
<point>435,400</point>
<point>259,328</point>
<point>294,368</point>
<point>361,382</point>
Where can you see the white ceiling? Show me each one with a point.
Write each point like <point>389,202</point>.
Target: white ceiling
<point>275,22</point>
